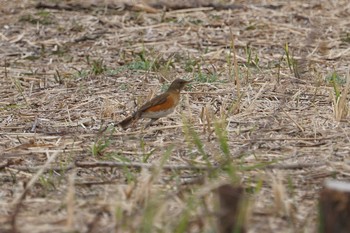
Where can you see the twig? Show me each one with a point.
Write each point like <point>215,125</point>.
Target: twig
<point>149,165</point>
<point>295,166</point>
<point>139,165</point>
<point>256,97</point>
<point>90,183</point>
<point>110,164</point>
<point>36,121</point>
<point>288,139</point>
<point>19,172</point>
<point>296,123</point>
<point>46,168</point>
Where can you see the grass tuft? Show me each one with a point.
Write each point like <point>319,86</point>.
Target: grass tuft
<point>102,142</point>
<point>221,133</point>
<point>151,62</point>
<point>42,17</point>
<point>291,62</point>
<point>252,61</point>
<point>340,103</point>
<point>97,66</point>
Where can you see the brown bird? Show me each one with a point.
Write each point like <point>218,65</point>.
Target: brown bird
<point>160,106</point>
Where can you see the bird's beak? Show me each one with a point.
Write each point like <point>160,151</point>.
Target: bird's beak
<point>188,81</point>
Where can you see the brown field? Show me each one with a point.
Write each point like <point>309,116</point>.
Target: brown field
<point>267,110</point>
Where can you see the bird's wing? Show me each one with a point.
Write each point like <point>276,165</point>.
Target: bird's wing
<point>160,99</point>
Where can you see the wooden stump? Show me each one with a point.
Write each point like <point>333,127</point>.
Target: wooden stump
<point>335,207</point>
<point>231,214</point>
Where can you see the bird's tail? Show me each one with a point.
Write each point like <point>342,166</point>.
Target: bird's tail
<point>127,121</point>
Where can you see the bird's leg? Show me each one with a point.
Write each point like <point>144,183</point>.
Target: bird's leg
<point>150,122</point>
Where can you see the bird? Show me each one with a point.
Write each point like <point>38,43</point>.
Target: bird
<point>159,106</point>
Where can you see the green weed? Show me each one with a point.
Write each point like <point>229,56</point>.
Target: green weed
<point>146,155</point>
<point>97,66</point>
<point>191,64</point>
<point>16,83</point>
<point>82,73</point>
<point>41,17</point>
<point>206,78</point>
<point>11,107</point>
<point>129,174</point>
<point>252,61</point>
<point>340,104</point>
<point>102,142</point>
<point>32,57</point>
<point>60,50</point>
<point>290,187</point>
<point>345,37</point>
<point>115,71</point>
<point>336,81</point>
<point>227,161</point>
<point>251,27</point>
<point>221,133</point>
<point>47,181</point>
<point>144,62</point>
<point>98,148</point>
<point>196,21</point>
<point>77,27</point>
<point>291,62</point>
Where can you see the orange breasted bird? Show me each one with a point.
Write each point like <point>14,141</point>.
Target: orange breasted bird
<point>160,106</point>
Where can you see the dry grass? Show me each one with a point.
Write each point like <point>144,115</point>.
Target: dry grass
<point>270,118</point>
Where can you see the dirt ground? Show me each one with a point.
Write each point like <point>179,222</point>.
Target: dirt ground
<point>267,110</point>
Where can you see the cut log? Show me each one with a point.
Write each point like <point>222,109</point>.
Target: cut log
<point>335,207</point>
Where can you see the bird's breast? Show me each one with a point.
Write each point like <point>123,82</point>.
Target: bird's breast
<point>163,109</point>
<point>157,114</point>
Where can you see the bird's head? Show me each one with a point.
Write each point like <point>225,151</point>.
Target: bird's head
<point>178,84</point>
